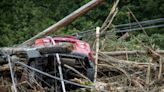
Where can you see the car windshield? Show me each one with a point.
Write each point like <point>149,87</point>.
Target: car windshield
<point>63,43</point>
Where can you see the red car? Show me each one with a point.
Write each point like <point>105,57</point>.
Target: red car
<point>81,56</point>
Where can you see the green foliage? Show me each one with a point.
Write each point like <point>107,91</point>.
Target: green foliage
<point>114,45</point>
<point>22,19</point>
<point>158,39</point>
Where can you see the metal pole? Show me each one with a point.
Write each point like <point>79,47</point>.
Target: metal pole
<point>60,72</point>
<point>14,89</point>
<point>59,66</point>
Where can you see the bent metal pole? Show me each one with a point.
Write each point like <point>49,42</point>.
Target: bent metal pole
<point>71,17</point>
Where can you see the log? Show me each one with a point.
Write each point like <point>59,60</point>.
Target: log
<point>68,19</point>
<point>111,60</point>
<point>41,49</point>
<point>119,53</point>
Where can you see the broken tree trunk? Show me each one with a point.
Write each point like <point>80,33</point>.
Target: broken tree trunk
<point>97,51</point>
<point>113,9</point>
<point>68,19</point>
<point>110,17</point>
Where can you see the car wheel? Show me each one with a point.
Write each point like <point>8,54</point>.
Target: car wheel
<point>90,73</point>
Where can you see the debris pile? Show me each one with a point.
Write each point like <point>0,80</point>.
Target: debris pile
<point>114,74</point>
<point>48,68</point>
<point>131,76</point>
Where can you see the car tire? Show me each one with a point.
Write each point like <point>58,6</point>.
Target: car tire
<point>90,73</point>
